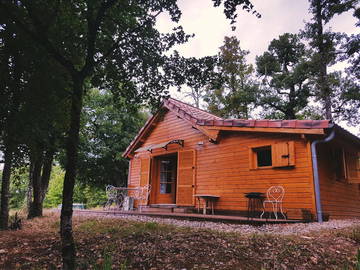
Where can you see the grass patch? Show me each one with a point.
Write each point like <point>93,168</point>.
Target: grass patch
<point>355,235</point>
<point>122,228</point>
<point>352,233</point>
<point>104,243</point>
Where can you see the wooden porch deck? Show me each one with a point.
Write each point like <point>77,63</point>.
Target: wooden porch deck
<point>195,217</point>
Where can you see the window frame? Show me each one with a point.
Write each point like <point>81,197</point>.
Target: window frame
<point>344,164</point>
<point>256,151</point>
<point>274,150</point>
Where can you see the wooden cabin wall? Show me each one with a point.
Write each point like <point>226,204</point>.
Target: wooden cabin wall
<point>339,198</point>
<point>224,169</point>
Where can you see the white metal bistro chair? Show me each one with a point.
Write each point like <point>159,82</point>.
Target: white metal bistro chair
<point>142,195</point>
<point>274,195</point>
<point>114,196</point>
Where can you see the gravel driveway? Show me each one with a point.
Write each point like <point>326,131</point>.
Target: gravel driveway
<point>282,229</point>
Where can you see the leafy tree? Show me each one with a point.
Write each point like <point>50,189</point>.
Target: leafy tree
<point>108,126</point>
<point>83,193</point>
<point>111,38</point>
<point>39,113</point>
<point>198,74</point>
<point>236,90</point>
<point>18,188</point>
<point>326,44</point>
<point>345,97</point>
<point>285,70</point>
<point>54,194</point>
<point>44,121</point>
<point>12,78</point>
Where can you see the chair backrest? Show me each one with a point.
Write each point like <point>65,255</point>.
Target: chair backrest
<point>275,193</point>
<point>143,194</point>
<point>111,192</point>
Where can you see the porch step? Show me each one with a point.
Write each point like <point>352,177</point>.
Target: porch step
<point>156,209</point>
<point>184,210</point>
<point>167,208</point>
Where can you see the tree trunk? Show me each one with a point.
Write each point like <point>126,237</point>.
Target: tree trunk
<point>35,206</point>
<point>67,240</point>
<point>29,192</point>
<point>46,172</point>
<point>5,185</point>
<point>323,78</point>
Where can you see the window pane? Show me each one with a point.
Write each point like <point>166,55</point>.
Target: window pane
<point>168,188</point>
<point>165,188</point>
<point>162,188</point>
<point>263,157</point>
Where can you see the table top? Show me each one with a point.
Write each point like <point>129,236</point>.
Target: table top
<point>207,196</point>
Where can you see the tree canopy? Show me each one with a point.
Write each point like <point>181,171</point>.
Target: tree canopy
<point>107,44</point>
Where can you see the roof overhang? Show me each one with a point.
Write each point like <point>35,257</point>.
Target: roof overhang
<point>163,145</point>
<point>211,126</point>
<point>315,131</point>
<point>346,134</point>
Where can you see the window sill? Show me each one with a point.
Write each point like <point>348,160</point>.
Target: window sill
<point>262,168</point>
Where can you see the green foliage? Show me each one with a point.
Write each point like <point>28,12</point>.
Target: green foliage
<point>89,195</point>
<point>18,187</point>
<point>108,126</point>
<point>328,48</point>
<point>285,72</point>
<point>54,195</point>
<point>235,92</point>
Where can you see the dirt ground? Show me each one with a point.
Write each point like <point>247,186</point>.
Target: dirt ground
<point>115,243</point>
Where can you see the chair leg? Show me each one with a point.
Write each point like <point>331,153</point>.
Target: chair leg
<point>274,205</point>
<point>281,210</point>
<point>264,203</point>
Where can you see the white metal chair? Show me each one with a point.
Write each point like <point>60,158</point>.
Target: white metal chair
<point>274,195</point>
<point>114,196</point>
<point>142,195</point>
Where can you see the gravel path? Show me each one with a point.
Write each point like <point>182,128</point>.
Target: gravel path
<point>282,229</point>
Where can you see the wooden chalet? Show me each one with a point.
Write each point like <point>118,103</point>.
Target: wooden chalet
<point>182,151</point>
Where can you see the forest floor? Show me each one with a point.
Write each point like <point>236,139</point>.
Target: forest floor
<point>121,243</point>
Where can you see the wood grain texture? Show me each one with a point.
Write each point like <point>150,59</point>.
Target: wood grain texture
<point>339,198</point>
<point>186,178</point>
<point>224,169</point>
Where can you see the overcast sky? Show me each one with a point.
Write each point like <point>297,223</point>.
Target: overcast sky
<point>210,27</point>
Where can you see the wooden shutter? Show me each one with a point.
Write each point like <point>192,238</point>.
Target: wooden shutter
<point>353,167</point>
<point>145,171</point>
<point>186,178</point>
<point>283,154</point>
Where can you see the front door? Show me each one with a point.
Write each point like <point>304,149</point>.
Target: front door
<point>166,167</point>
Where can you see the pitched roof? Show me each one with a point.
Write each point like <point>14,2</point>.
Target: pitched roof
<point>200,118</point>
<point>268,123</point>
<point>203,118</point>
<point>186,111</point>
<point>189,110</point>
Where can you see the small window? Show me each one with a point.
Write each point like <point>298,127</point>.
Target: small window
<point>338,159</point>
<point>263,156</point>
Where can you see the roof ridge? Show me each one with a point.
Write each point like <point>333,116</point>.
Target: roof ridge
<point>189,105</point>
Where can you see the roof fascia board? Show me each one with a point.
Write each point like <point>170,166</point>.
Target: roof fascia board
<point>211,134</point>
<point>317,131</point>
<point>139,137</point>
